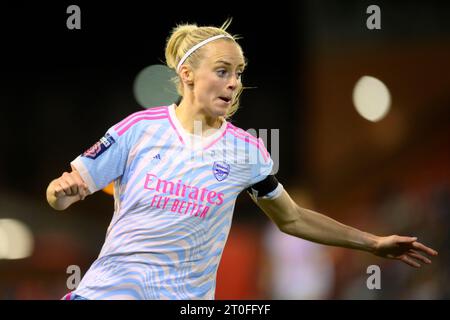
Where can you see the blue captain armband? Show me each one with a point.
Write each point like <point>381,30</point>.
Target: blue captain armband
<point>269,188</point>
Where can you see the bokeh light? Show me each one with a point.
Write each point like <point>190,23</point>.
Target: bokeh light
<point>153,86</point>
<point>371,98</point>
<point>16,239</point>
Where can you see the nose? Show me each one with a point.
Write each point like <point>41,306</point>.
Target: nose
<point>233,83</point>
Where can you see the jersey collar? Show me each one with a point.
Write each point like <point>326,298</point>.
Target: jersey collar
<point>194,141</point>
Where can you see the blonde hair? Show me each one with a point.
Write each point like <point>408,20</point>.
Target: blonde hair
<point>182,38</point>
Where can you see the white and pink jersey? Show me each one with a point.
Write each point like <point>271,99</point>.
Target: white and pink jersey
<point>174,199</point>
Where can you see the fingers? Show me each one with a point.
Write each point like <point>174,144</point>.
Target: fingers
<point>419,257</point>
<point>408,257</point>
<point>71,184</point>
<point>408,250</point>
<point>62,187</point>
<point>421,247</point>
<point>82,186</point>
<point>79,180</point>
<point>409,261</point>
<point>406,239</point>
<point>417,245</point>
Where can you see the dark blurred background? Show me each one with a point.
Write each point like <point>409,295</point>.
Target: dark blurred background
<point>62,89</point>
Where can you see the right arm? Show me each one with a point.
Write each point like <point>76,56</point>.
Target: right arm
<point>66,190</point>
<point>95,168</point>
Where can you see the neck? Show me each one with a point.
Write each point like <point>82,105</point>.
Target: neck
<point>196,121</point>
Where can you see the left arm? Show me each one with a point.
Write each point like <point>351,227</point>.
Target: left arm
<point>313,226</point>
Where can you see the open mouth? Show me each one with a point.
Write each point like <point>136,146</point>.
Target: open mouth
<point>226,99</point>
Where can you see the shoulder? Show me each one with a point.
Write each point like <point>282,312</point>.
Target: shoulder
<point>240,134</point>
<point>141,119</point>
<point>255,145</point>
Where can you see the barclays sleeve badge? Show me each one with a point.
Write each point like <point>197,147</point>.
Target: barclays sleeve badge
<point>221,169</point>
<point>99,147</point>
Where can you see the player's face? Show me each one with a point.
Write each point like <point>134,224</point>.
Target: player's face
<point>217,80</point>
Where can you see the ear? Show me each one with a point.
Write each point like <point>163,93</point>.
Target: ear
<point>187,75</point>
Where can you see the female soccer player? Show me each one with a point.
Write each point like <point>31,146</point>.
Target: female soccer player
<point>177,172</point>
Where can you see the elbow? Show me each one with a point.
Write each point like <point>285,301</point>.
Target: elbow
<point>290,227</point>
<point>291,222</point>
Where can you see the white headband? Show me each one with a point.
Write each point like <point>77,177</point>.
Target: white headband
<point>198,45</point>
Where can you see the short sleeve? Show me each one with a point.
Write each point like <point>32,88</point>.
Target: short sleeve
<point>262,163</point>
<point>105,161</point>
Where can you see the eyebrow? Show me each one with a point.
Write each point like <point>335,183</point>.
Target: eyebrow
<point>229,64</point>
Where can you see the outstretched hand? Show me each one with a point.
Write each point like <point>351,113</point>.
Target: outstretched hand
<point>406,249</point>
